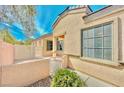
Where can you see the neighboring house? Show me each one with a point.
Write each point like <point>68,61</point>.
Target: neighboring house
<point>93,42</point>
<point>43,45</point>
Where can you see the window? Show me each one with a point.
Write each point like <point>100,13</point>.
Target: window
<point>97,42</point>
<point>49,45</point>
<point>60,44</point>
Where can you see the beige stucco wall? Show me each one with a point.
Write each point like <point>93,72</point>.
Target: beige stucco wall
<point>6,53</point>
<point>59,53</point>
<point>24,73</point>
<point>0,74</point>
<point>105,73</point>
<point>45,51</point>
<point>23,52</point>
<point>38,52</point>
<point>41,48</point>
<point>38,48</point>
<point>72,24</point>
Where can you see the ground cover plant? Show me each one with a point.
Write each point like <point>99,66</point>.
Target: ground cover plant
<point>66,78</point>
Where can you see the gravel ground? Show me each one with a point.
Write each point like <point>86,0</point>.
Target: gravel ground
<point>42,83</point>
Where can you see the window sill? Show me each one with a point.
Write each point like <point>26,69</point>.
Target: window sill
<point>100,61</point>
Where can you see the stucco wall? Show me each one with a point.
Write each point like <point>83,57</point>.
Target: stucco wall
<point>102,72</point>
<point>45,51</point>
<point>59,53</point>
<point>41,48</point>
<point>38,51</point>
<point>71,25</point>
<point>0,74</point>
<point>24,73</point>
<point>24,52</point>
<point>6,53</point>
<point>117,30</point>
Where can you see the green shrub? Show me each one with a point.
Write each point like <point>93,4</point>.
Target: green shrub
<point>66,78</point>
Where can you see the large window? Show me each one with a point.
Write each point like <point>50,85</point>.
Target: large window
<point>97,42</point>
<point>49,45</point>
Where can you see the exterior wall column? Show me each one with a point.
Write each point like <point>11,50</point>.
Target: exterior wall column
<point>54,46</point>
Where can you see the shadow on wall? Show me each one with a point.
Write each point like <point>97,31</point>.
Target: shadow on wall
<point>120,39</point>
<point>24,74</point>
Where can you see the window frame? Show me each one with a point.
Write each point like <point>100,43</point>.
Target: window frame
<point>58,49</point>
<point>114,36</point>
<point>47,45</point>
<point>95,37</point>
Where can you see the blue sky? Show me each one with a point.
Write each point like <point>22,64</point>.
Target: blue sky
<point>45,17</point>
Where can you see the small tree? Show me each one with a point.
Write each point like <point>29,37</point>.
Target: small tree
<point>7,37</point>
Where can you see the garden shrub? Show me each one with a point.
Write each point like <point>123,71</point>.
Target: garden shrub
<point>66,78</point>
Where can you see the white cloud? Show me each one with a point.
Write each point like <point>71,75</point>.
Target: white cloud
<point>6,24</point>
<point>40,30</point>
<point>32,37</point>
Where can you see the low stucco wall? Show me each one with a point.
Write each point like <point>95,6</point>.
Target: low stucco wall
<point>38,52</point>
<point>47,53</point>
<point>105,73</point>
<point>55,64</point>
<point>24,52</point>
<point>24,73</point>
<point>6,53</point>
<point>0,74</point>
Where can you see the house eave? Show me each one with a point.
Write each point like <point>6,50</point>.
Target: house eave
<point>102,13</point>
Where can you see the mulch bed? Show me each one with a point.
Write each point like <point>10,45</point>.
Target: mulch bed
<point>42,83</point>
